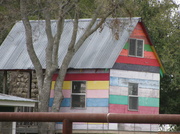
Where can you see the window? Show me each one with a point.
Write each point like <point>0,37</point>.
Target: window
<point>78,95</point>
<point>136,48</point>
<point>133,96</point>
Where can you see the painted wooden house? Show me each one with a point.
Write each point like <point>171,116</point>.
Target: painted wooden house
<point>106,75</point>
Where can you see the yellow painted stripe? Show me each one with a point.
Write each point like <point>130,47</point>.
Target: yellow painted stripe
<point>66,85</point>
<point>52,85</point>
<point>97,84</point>
<point>161,65</point>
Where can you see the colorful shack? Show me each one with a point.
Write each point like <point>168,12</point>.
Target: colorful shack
<point>113,72</point>
<point>131,86</point>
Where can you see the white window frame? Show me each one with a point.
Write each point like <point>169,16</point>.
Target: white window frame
<point>133,96</point>
<point>136,47</point>
<point>73,94</point>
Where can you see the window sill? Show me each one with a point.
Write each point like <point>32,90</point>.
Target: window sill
<point>136,56</point>
<point>133,110</point>
<point>77,108</point>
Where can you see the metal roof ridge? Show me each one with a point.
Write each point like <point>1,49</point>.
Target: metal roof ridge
<point>85,19</point>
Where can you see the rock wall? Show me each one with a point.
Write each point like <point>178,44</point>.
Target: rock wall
<point>34,87</point>
<point>21,86</point>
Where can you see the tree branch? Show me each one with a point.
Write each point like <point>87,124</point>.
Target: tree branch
<point>29,42</point>
<point>50,38</point>
<point>86,34</point>
<point>64,9</point>
<point>75,28</point>
<point>90,29</point>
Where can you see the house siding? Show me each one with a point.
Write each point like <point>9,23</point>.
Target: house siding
<point>148,91</point>
<point>97,90</point>
<point>107,90</point>
<point>142,70</point>
<point>97,94</point>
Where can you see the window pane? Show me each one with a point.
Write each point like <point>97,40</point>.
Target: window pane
<point>132,47</point>
<point>133,103</point>
<point>78,101</point>
<point>133,89</point>
<point>139,48</point>
<point>78,87</point>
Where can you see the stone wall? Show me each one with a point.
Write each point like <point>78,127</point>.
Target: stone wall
<point>34,87</point>
<point>21,86</point>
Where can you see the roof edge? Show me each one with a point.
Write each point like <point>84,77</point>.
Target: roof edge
<point>152,46</point>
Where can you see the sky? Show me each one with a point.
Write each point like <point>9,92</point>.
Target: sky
<point>178,2</point>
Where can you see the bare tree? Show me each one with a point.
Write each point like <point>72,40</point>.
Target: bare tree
<point>63,7</point>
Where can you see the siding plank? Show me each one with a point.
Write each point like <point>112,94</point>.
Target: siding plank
<point>97,93</point>
<point>87,110</point>
<point>151,102</point>
<point>97,85</point>
<point>123,82</point>
<point>97,102</point>
<point>138,61</point>
<point>118,99</point>
<point>140,68</point>
<point>143,101</point>
<point>84,76</point>
<point>142,92</point>
<point>147,54</point>
<point>134,74</point>
<point>90,102</point>
<point>66,85</point>
<point>117,108</point>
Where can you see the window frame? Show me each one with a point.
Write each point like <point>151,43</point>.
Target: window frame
<point>136,48</point>
<point>133,96</point>
<point>78,94</point>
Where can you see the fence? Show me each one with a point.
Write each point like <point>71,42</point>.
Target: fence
<point>69,118</point>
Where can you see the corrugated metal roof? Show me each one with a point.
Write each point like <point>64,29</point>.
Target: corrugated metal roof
<point>5,97</point>
<point>100,50</point>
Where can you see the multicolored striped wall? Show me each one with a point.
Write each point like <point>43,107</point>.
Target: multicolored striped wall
<point>148,91</point>
<point>97,90</point>
<point>142,70</point>
<point>149,63</point>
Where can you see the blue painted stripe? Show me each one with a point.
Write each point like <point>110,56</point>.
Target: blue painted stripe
<point>90,102</point>
<point>114,81</point>
<point>123,82</point>
<point>65,103</point>
<point>51,102</point>
<point>97,102</point>
<point>59,122</point>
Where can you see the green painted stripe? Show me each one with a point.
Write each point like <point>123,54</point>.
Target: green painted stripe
<point>126,46</point>
<point>147,47</point>
<point>151,102</point>
<point>161,73</point>
<point>118,99</point>
<point>143,101</point>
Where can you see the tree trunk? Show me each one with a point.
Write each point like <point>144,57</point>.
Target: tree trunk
<point>44,102</point>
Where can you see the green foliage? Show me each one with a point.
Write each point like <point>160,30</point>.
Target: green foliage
<point>9,14</point>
